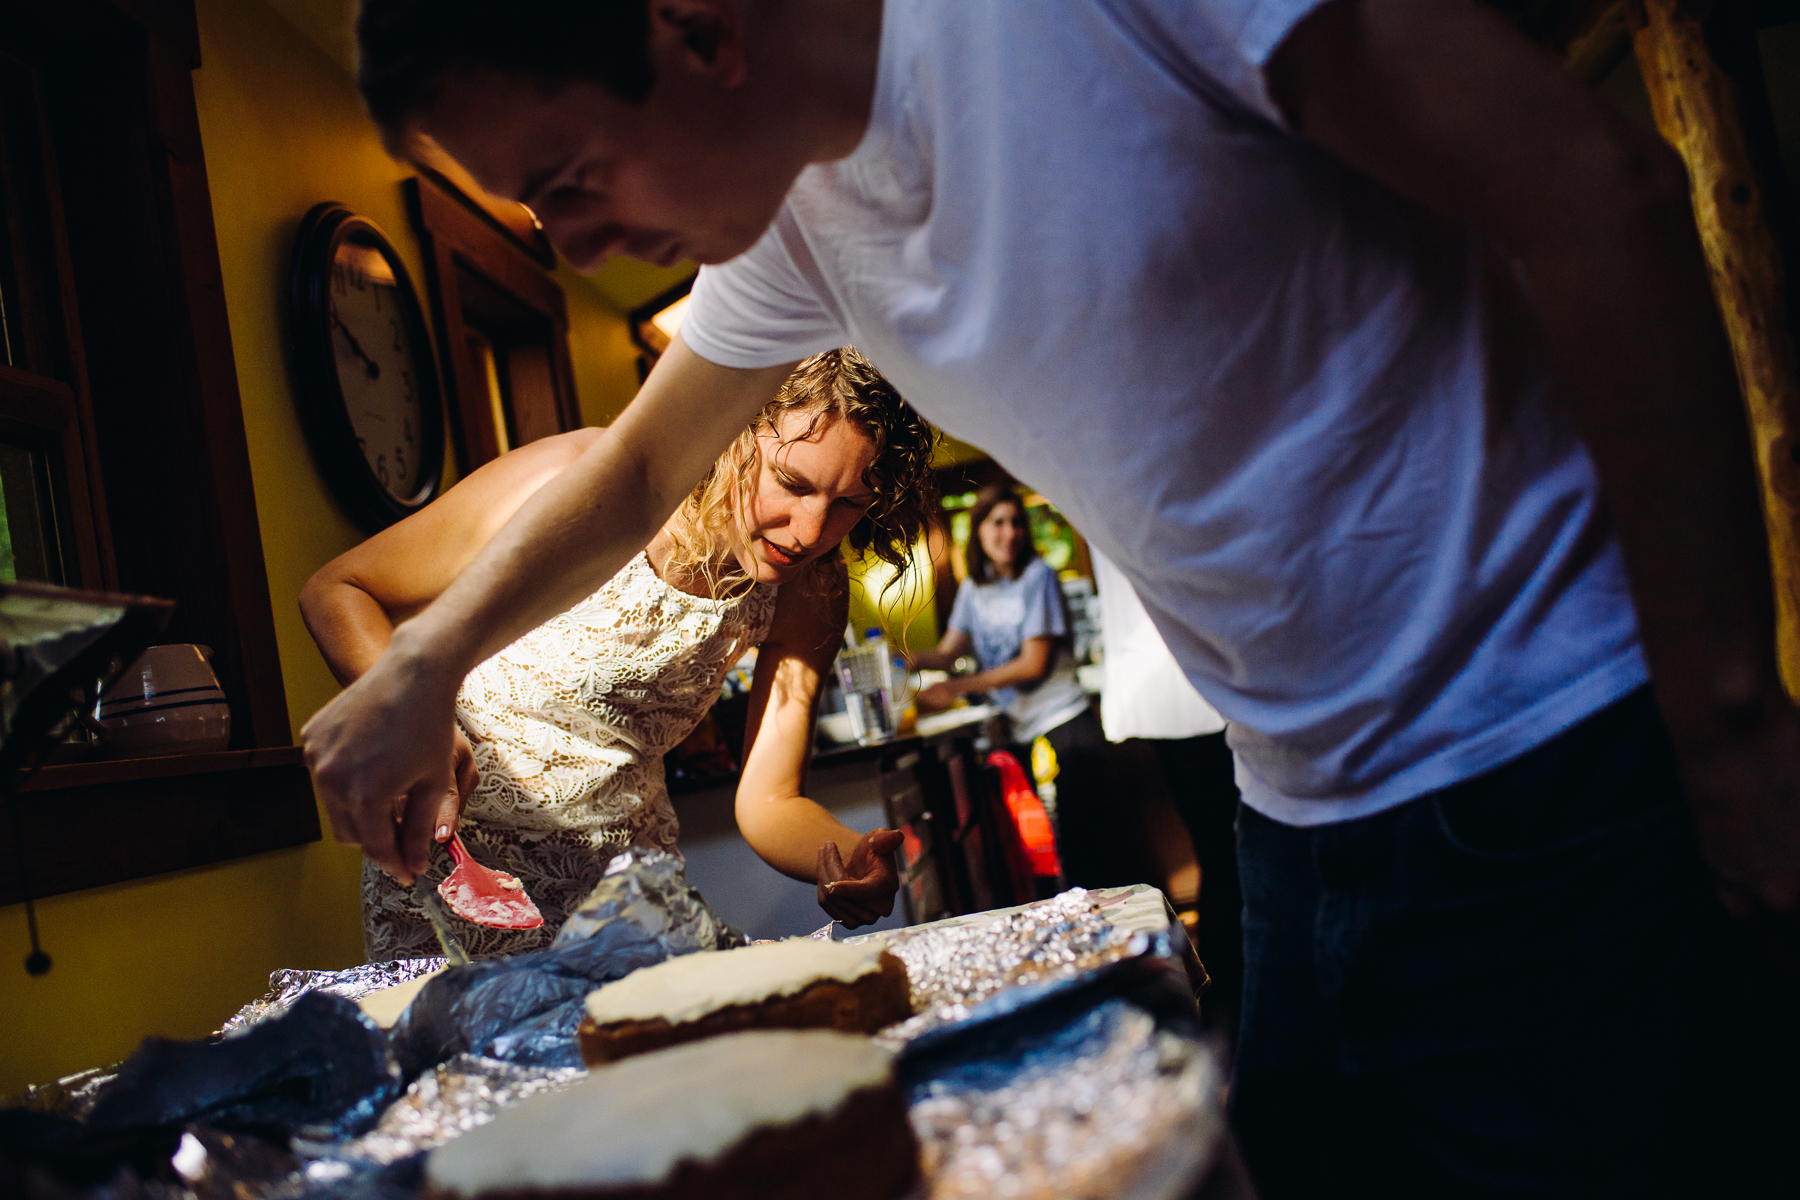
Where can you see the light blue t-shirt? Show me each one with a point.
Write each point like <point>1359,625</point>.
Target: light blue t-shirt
<point>998,617</point>
<point>1313,423</point>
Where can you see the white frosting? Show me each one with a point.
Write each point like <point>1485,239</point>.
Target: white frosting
<point>634,1122</point>
<point>384,1007</point>
<point>689,987</point>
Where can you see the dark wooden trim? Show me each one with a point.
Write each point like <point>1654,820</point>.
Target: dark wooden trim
<point>452,235</point>
<point>52,406</point>
<point>173,22</point>
<point>52,347</point>
<point>87,498</point>
<point>94,824</point>
<point>515,221</point>
<point>651,341</point>
<point>124,770</point>
<point>162,374</point>
<point>232,493</point>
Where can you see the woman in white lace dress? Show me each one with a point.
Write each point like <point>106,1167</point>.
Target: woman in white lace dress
<point>561,735</point>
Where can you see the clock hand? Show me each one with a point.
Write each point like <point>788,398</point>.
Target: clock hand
<point>374,367</point>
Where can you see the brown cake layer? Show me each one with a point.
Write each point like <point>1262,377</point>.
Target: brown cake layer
<point>872,1002</point>
<point>863,1148</point>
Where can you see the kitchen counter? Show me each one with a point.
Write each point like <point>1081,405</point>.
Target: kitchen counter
<point>931,730</point>
<point>909,783</point>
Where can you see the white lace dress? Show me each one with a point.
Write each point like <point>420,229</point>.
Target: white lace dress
<point>570,724</point>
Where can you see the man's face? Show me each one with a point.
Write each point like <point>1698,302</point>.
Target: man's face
<point>683,175</point>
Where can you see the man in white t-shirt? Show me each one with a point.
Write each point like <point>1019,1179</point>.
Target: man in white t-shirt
<point>1324,320</point>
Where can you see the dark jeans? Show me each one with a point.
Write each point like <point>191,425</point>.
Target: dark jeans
<point>1519,986</point>
<point>1202,784</point>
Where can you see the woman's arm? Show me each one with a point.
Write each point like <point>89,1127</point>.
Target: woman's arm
<point>789,831</point>
<point>954,645</point>
<point>1028,668</point>
<point>1031,665</point>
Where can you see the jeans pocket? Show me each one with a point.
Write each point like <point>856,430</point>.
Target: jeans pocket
<point>1528,832</point>
<point>1613,774</point>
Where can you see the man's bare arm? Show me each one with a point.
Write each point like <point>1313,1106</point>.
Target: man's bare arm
<point>1442,102</point>
<point>353,603</point>
<point>379,753</point>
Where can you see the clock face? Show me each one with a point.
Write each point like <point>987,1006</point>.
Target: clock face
<point>377,367</point>
<point>367,383</point>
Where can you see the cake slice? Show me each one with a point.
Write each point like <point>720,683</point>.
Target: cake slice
<point>798,984</point>
<point>809,1115</point>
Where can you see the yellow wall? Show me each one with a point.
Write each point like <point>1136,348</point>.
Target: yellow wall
<point>176,954</point>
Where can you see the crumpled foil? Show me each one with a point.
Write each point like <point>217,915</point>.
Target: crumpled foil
<point>287,986</point>
<point>72,1095</point>
<point>1106,1104</point>
<point>449,1100</point>
<point>322,1069</point>
<point>649,888</point>
<point>524,1009</point>
<point>1054,1054</point>
<point>967,970</point>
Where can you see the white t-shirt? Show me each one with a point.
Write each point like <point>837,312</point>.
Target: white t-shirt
<point>1312,423</point>
<point>998,617</point>
<point>1143,692</point>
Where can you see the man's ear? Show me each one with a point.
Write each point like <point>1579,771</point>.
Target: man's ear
<point>708,35</point>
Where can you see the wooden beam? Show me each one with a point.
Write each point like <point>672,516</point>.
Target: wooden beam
<point>87,825</point>
<point>1696,109</point>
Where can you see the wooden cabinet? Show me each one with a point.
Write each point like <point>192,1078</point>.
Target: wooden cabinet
<point>121,380</point>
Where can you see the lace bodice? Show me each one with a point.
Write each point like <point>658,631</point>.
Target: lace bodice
<point>569,726</point>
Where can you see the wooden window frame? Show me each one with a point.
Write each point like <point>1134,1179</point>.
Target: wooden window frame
<point>152,400</point>
<point>457,235</point>
<point>44,391</point>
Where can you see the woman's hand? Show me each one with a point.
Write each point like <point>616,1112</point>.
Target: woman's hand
<point>463,778</point>
<point>939,695</point>
<point>861,891</point>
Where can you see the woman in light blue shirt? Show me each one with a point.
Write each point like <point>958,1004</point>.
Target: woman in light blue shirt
<point>1011,614</point>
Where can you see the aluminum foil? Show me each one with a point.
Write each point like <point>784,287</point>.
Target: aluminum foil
<point>967,969</point>
<point>1037,1065</point>
<point>1011,1093</point>
<point>450,1100</point>
<point>287,986</point>
<point>72,1095</point>
<point>1105,1105</point>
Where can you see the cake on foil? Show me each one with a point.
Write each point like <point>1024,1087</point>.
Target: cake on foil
<point>803,1115</point>
<point>798,984</point>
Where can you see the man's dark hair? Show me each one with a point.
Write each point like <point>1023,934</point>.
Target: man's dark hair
<point>406,49</point>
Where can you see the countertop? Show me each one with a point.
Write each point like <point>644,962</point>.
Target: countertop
<point>931,730</point>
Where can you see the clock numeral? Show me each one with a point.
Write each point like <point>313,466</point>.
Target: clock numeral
<point>395,322</point>
<point>400,460</point>
<point>406,429</point>
<point>381,471</point>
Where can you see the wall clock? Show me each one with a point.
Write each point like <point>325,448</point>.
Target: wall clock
<point>369,397</point>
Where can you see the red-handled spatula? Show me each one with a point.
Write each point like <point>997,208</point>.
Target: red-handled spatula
<point>484,896</point>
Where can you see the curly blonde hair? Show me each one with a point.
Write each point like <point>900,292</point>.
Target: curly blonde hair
<point>837,385</point>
